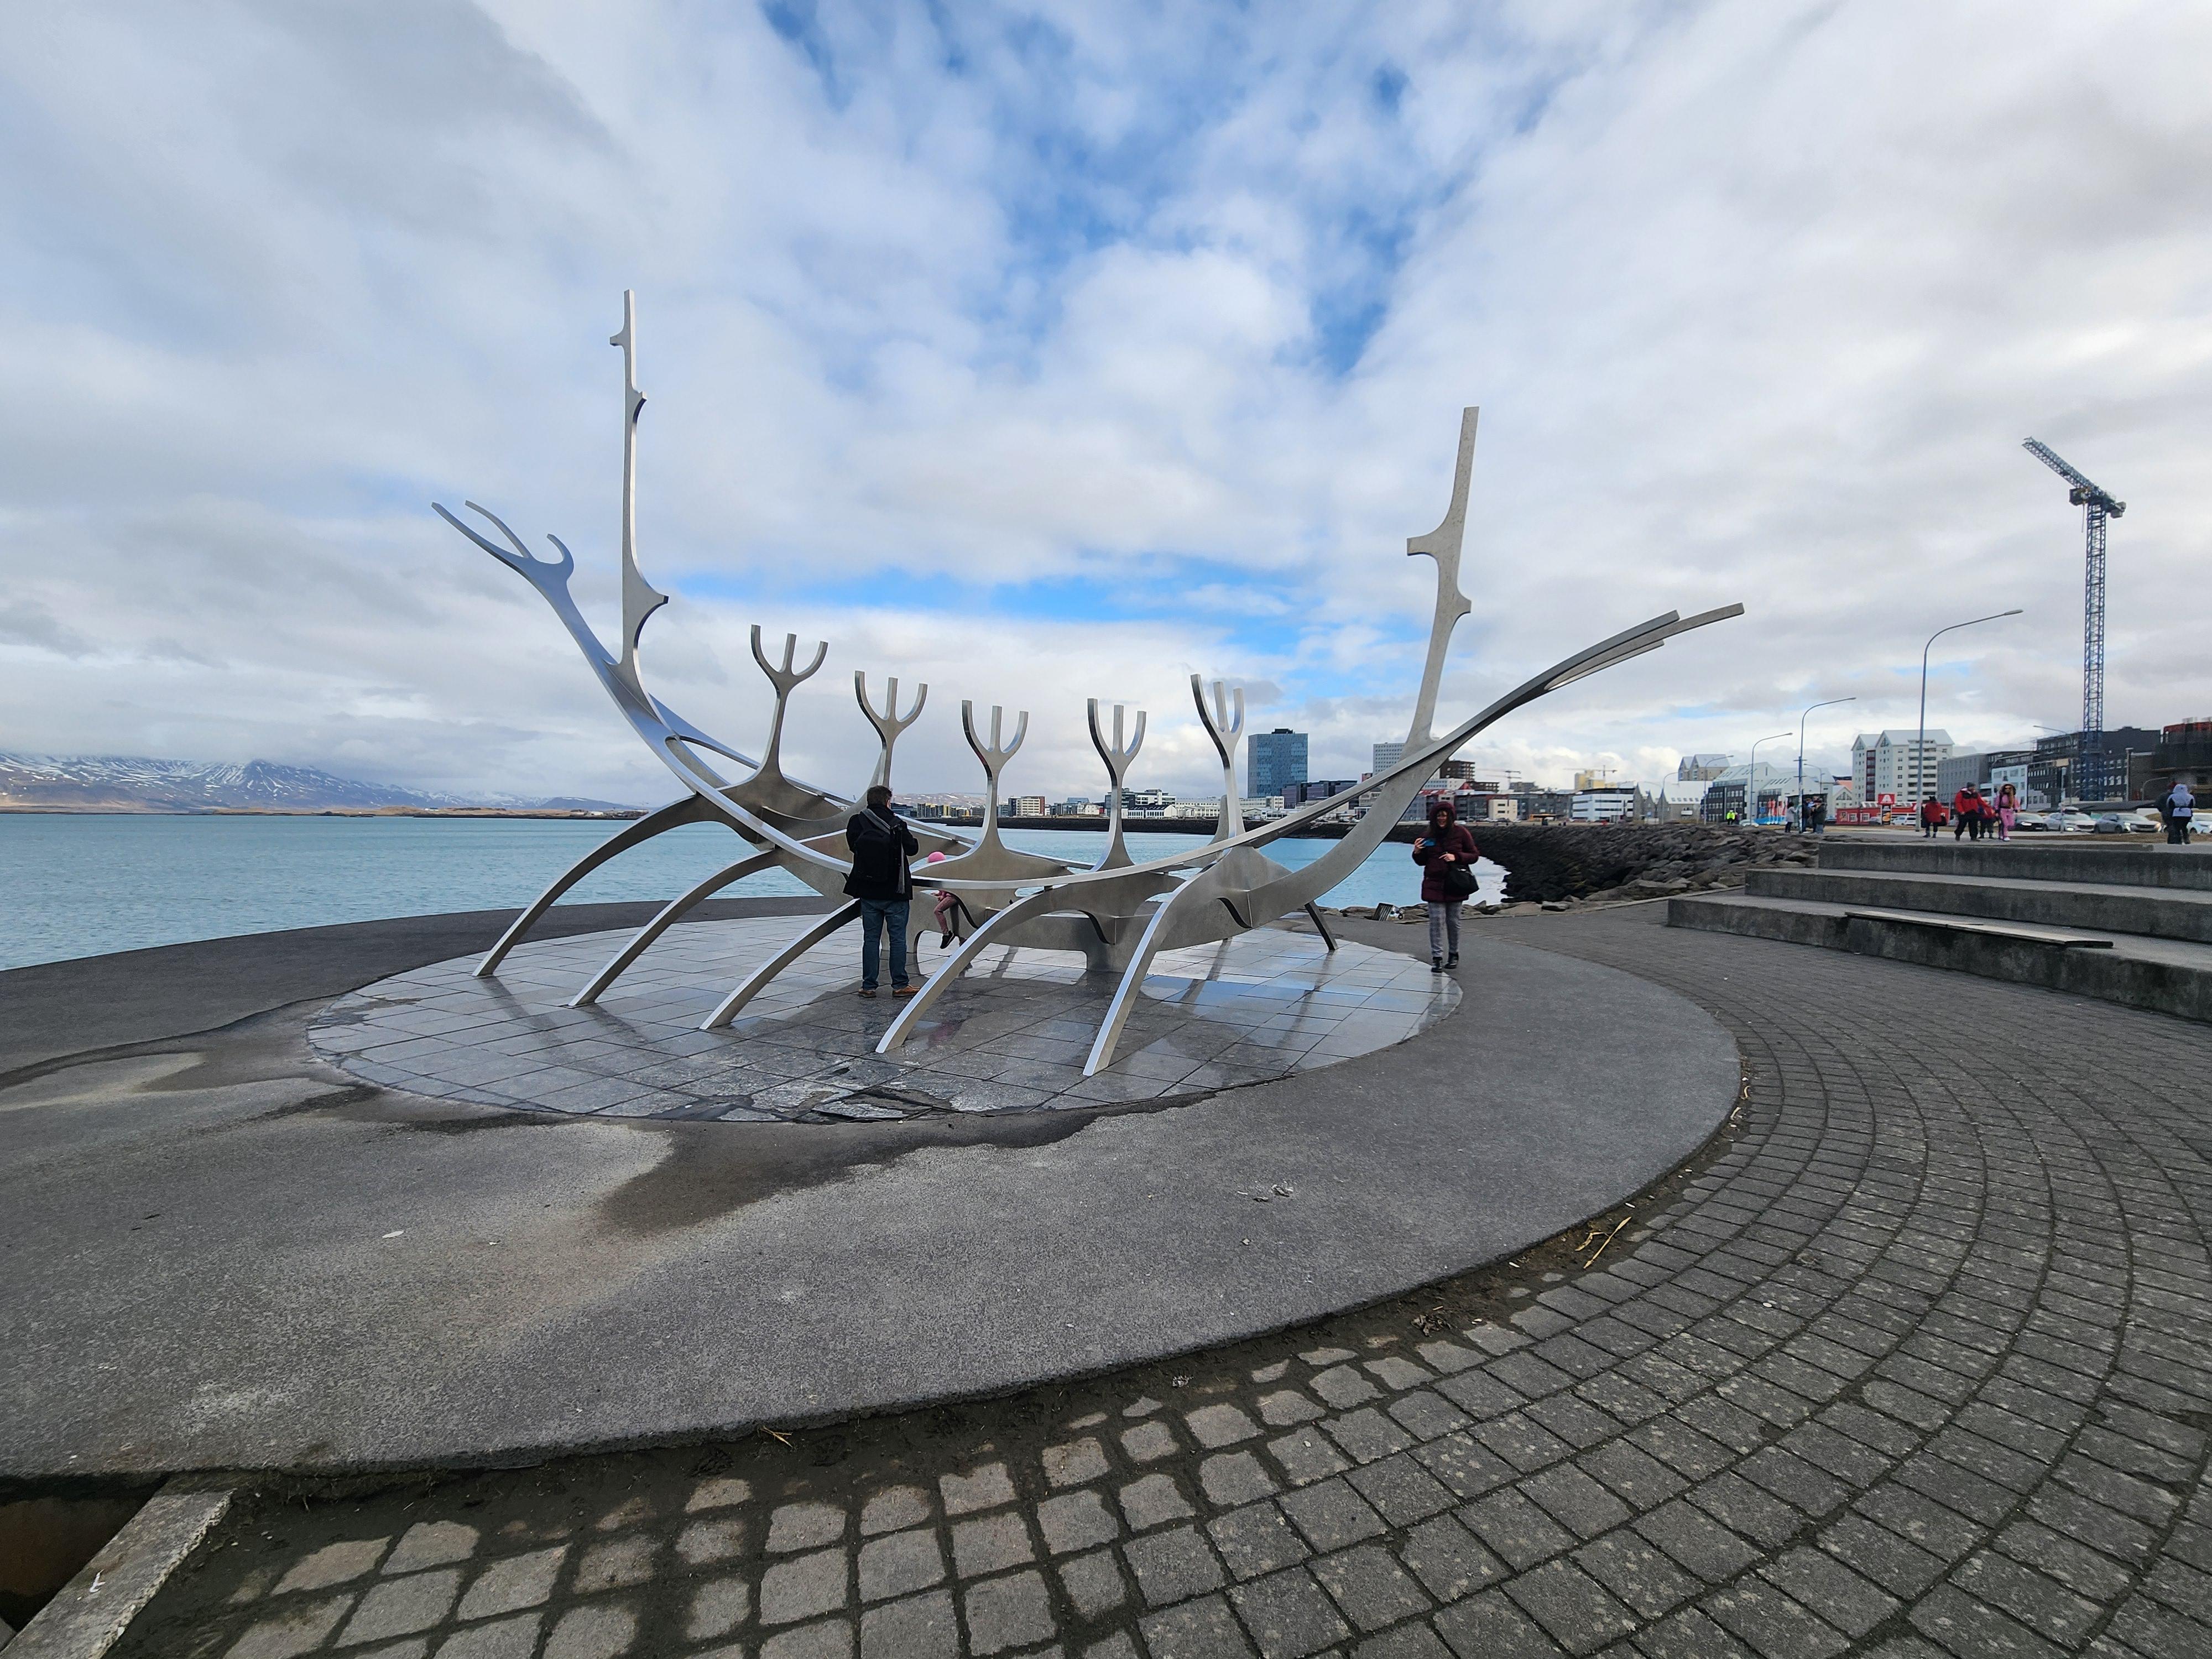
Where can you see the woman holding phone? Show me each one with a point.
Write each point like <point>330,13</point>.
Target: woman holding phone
<point>1446,855</point>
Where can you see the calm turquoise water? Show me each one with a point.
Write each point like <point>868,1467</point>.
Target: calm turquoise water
<point>79,884</point>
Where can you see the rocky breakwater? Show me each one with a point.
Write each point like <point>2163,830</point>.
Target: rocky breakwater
<point>1555,862</point>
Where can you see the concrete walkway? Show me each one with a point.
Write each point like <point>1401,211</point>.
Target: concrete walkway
<point>1918,1363</point>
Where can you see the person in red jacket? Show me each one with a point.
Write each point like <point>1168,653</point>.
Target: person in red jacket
<point>1443,853</point>
<point>1931,818</point>
<point>1966,813</point>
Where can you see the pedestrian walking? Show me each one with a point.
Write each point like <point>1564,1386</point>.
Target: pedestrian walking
<point>2007,811</point>
<point>1966,813</point>
<point>1931,818</point>
<point>2180,805</point>
<point>881,844</point>
<point>1446,855</point>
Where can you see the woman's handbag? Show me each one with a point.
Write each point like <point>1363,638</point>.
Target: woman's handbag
<point>1457,879</point>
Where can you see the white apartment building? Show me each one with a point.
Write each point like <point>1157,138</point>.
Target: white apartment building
<point>1602,806</point>
<point>1884,764</point>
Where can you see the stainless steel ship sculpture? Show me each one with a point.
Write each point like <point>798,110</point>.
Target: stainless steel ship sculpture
<point>1119,913</point>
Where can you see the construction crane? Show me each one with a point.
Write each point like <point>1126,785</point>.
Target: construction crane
<point>2093,776</point>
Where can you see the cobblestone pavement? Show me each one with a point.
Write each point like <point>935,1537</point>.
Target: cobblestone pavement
<point>1914,1362</point>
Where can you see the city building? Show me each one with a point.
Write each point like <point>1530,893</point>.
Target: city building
<point>2054,769</point>
<point>1142,803</point>
<point>1462,771</point>
<point>1388,754</point>
<point>1275,760</point>
<point>1151,801</point>
<point>1609,804</point>
<point>1833,795</point>
<point>1544,806</point>
<point>1297,795</point>
<point>1595,777</point>
<point>1023,807</point>
<point>2183,754</point>
<point>1076,809</point>
<point>1738,797</point>
<point>1701,768</point>
<point>1986,771</point>
<point>1885,763</point>
<point>1479,804</point>
<point>1679,798</point>
<point>1488,806</point>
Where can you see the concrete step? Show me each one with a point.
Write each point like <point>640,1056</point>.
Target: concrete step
<point>2099,860</point>
<point>2155,912</point>
<point>2167,976</point>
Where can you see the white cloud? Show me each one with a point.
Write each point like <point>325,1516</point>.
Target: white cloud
<point>1758,300</point>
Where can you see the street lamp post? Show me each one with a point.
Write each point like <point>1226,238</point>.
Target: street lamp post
<point>1751,777</point>
<point>1831,703</point>
<point>1920,743</point>
<point>2059,763</point>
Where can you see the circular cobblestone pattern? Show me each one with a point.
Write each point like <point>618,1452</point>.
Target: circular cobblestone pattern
<point>1011,1036</point>
<point>1914,1361</point>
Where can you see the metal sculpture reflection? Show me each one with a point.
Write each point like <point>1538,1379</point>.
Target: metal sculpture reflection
<point>1119,913</point>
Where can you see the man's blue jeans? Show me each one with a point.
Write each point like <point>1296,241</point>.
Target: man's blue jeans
<point>876,914</point>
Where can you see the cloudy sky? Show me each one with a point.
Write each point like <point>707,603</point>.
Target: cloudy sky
<point>1052,350</point>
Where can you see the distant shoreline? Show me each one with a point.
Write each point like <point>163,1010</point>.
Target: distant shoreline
<point>127,810</point>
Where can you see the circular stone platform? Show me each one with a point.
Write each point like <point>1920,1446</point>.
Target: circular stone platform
<point>1011,1036</point>
<point>226,1253</point>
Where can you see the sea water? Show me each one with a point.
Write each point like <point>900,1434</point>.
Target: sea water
<point>83,883</point>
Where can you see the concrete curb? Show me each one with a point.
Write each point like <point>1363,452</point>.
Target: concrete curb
<point>96,1606</point>
<point>2106,976</point>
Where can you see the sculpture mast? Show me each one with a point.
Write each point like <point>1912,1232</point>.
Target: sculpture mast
<point>639,597</point>
<point>1442,544</point>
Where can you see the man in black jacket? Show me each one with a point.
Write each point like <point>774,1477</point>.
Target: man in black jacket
<point>881,844</point>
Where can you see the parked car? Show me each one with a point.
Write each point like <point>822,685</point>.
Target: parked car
<point>2031,821</point>
<point>2109,823</point>
<point>2067,822</point>
<point>2145,821</point>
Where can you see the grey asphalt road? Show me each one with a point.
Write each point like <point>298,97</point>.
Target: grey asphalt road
<point>223,1254</point>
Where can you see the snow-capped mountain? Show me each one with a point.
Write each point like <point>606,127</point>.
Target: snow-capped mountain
<point>137,783</point>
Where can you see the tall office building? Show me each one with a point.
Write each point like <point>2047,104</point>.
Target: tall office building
<point>1388,754</point>
<point>1274,760</point>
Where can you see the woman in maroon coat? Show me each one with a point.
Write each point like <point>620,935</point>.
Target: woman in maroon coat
<point>1447,847</point>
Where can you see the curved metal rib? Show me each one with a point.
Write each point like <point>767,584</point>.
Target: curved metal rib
<point>690,810</point>
<point>757,981</point>
<point>1133,979</point>
<point>667,918</point>
<point>1320,927</point>
<point>953,966</point>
